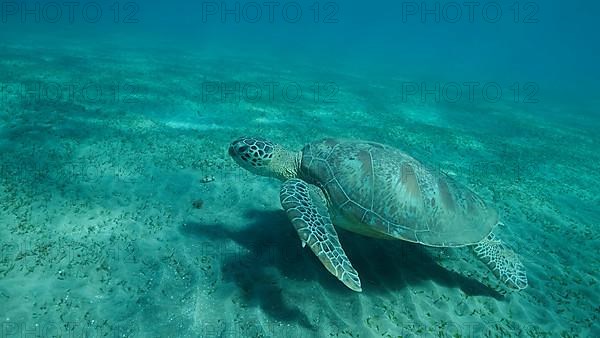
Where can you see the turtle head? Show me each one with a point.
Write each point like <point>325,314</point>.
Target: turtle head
<point>253,154</point>
<point>263,157</point>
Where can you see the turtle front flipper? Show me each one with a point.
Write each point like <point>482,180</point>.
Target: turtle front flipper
<point>306,208</point>
<point>504,262</point>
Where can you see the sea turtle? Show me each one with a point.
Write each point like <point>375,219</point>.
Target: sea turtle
<point>377,191</point>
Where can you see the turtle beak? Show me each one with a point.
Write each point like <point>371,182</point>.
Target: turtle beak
<point>231,151</point>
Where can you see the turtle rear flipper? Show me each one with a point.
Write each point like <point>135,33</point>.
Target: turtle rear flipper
<point>502,261</point>
<point>307,210</point>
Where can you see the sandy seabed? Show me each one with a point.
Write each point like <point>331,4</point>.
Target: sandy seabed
<point>111,223</point>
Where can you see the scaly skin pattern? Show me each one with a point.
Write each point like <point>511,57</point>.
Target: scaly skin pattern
<point>307,210</point>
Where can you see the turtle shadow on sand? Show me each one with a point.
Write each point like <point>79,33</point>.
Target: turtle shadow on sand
<point>249,267</point>
<point>270,242</point>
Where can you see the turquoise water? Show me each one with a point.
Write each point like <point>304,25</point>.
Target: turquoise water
<point>122,213</point>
